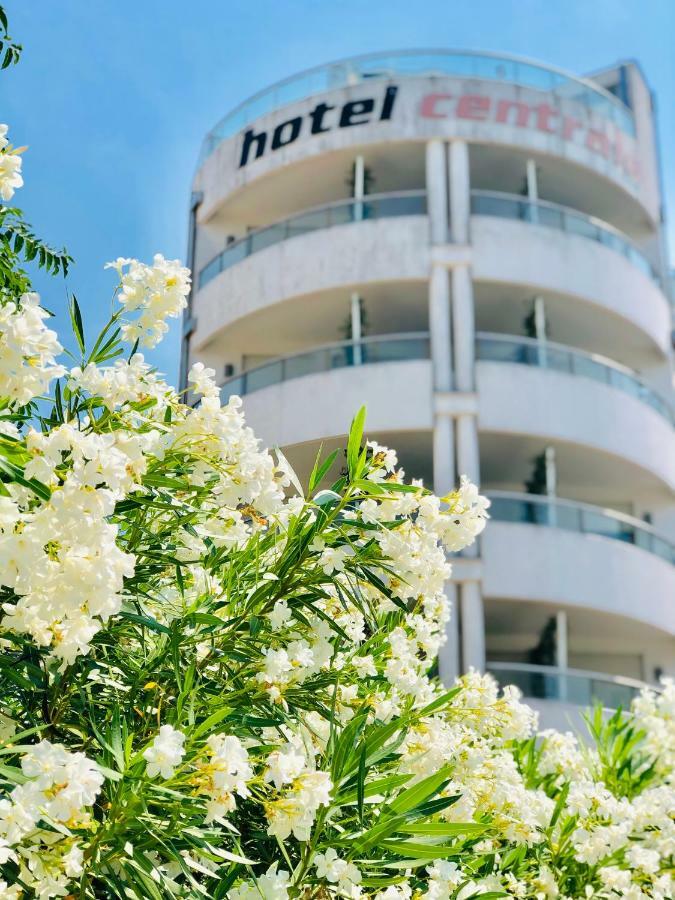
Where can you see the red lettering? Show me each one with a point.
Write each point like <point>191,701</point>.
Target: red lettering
<point>429,105</point>
<point>570,125</point>
<point>544,115</point>
<point>473,106</point>
<point>598,142</point>
<point>504,107</point>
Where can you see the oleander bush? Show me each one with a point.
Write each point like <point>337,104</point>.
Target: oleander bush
<point>218,682</point>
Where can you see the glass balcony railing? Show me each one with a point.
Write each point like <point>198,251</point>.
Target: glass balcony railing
<point>421,63</point>
<point>559,358</point>
<point>568,685</point>
<point>532,509</point>
<point>553,215</point>
<point>490,347</point>
<point>383,349</point>
<point>342,212</point>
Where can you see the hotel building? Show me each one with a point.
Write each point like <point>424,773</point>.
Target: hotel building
<point>472,245</point>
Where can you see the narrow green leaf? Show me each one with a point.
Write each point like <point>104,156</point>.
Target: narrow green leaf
<point>76,320</point>
<point>354,443</point>
<point>425,789</point>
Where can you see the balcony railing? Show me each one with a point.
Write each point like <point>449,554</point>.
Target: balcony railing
<point>548,355</point>
<point>373,206</point>
<point>421,63</point>
<point>553,215</point>
<point>381,349</point>
<point>533,509</point>
<point>568,685</point>
<point>415,345</point>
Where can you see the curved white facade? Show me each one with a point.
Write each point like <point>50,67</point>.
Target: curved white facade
<point>470,245</point>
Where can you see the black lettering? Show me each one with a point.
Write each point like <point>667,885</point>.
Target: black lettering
<point>250,137</point>
<point>355,108</point>
<point>316,115</point>
<point>278,139</point>
<point>388,105</point>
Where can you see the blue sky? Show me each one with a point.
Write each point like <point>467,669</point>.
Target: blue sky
<point>113,97</point>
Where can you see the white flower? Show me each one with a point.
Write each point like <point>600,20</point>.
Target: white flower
<point>337,871</point>
<point>332,559</point>
<point>28,350</point>
<point>272,885</point>
<point>155,292</point>
<point>226,773</point>
<point>201,381</point>
<point>165,753</point>
<point>10,167</point>
<point>364,666</point>
<point>286,764</point>
<point>294,812</point>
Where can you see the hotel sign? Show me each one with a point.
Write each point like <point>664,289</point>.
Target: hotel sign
<point>324,117</point>
<point>597,135</point>
<point>541,117</point>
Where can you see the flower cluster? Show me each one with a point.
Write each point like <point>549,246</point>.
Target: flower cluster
<point>39,815</point>
<point>28,350</point>
<point>10,166</point>
<point>60,557</point>
<point>155,293</point>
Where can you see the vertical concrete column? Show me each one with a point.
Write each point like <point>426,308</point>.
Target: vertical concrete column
<point>460,191</point>
<point>359,186</point>
<point>473,627</point>
<point>444,455</point>
<point>468,457</point>
<point>437,191</point>
<point>441,362</point>
<point>561,650</point>
<point>448,657</point>
<point>532,190</point>
<point>463,328</point>
<point>355,318</point>
<point>439,328</point>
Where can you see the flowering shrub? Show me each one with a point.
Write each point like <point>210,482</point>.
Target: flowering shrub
<point>216,683</point>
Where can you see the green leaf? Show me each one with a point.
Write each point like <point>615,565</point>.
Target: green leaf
<point>354,443</point>
<point>320,470</point>
<point>360,786</point>
<point>444,828</point>
<point>76,320</point>
<point>145,621</point>
<point>424,790</point>
<point>372,788</point>
<point>16,475</point>
<point>421,851</point>
<point>208,724</point>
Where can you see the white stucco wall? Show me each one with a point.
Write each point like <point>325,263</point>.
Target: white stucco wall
<point>389,249</point>
<point>544,258</point>
<point>316,407</point>
<point>513,399</point>
<point>520,399</point>
<point>533,562</point>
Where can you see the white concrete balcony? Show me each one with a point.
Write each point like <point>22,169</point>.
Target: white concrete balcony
<point>382,238</point>
<point>313,396</point>
<point>562,218</point>
<point>577,555</point>
<point>579,403</point>
<point>475,65</point>
<point>562,696</point>
<point>547,391</point>
<point>554,249</point>
<point>568,685</point>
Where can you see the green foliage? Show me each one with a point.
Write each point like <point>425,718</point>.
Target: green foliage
<point>10,51</point>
